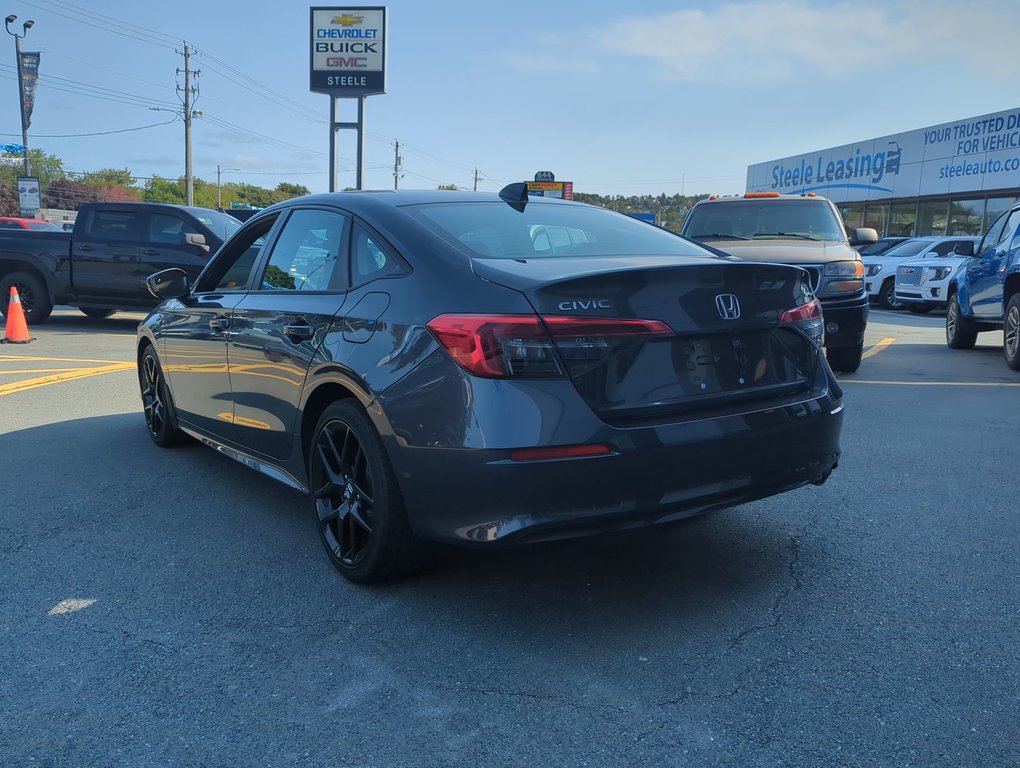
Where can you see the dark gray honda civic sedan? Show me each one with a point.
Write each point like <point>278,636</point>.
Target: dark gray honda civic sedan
<point>487,369</point>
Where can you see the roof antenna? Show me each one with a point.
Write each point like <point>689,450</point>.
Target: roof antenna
<point>515,195</point>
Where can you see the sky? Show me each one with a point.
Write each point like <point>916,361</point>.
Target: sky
<point>647,97</point>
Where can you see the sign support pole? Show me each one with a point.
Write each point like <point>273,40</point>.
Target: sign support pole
<point>359,126</point>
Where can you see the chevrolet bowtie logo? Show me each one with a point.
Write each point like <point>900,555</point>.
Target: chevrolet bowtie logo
<point>347,20</point>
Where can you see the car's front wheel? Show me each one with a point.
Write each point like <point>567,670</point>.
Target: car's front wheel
<point>887,297</point>
<point>359,511</point>
<point>845,359</point>
<point>961,333</point>
<point>156,403</point>
<point>1011,333</point>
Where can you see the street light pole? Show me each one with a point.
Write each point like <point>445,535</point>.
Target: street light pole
<point>21,82</point>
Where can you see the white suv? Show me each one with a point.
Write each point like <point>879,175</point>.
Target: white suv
<point>880,271</point>
<point>921,282</point>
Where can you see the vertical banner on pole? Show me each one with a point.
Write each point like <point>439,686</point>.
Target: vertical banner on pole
<point>29,78</point>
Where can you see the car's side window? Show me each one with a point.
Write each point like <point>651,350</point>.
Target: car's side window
<point>370,259</point>
<point>307,253</point>
<point>1009,230</point>
<point>992,235</point>
<point>116,225</point>
<point>234,263</point>
<point>168,229</point>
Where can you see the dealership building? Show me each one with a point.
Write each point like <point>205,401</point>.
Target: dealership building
<point>949,179</point>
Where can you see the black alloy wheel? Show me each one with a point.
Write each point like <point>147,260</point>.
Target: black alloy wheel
<point>35,299</point>
<point>887,296</point>
<point>358,508</point>
<point>156,403</point>
<point>1011,333</point>
<point>961,333</point>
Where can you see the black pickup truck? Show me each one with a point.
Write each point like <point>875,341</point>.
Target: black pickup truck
<point>101,266</point>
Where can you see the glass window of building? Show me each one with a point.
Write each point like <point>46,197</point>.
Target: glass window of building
<point>902,218</point>
<point>876,216</point>
<point>853,215</point>
<point>966,217</point>
<point>994,207</point>
<point>932,216</point>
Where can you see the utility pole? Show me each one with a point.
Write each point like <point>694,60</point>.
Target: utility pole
<point>21,82</point>
<point>189,93</point>
<point>219,196</point>
<point>396,163</point>
<point>476,179</point>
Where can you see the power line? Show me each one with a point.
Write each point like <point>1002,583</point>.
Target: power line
<point>97,133</point>
<point>88,14</point>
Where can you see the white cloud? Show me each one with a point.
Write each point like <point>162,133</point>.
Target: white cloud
<point>552,63</point>
<point>768,41</point>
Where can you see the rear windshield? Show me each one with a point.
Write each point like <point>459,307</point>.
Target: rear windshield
<point>763,219</point>
<point>495,230</point>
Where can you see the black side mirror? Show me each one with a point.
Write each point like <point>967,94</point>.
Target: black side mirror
<point>964,248</point>
<point>198,240</point>
<point>168,283</point>
<point>863,236</point>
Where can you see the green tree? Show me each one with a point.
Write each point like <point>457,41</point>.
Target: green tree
<point>48,168</point>
<point>160,190</point>
<point>285,190</point>
<point>260,197</point>
<point>109,177</point>
<point>448,187</point>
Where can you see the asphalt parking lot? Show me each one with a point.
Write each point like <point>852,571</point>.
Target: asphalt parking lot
<point>174,608</point>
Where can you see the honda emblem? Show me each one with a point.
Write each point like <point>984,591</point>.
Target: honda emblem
<point>728,306</point>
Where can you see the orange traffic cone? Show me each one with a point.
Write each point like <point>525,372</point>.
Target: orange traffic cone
<point>17,329</point>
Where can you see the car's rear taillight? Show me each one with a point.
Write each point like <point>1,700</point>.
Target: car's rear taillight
<point>529,346</point>
<point>807,317</point>
<point>810,311</point>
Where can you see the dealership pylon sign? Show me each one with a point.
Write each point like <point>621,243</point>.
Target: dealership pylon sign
<point>348,51</point>
<point>348,61</point>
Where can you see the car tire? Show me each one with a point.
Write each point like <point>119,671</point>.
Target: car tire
<point>96,313</point>
<point>845,359</point>
<point>157,406</point>
<point>359,511</point>
<point>1011,333</point>
<point>35,297</point>
<point>920,309</point>
<point>961,332</point>
<point>887,296</point>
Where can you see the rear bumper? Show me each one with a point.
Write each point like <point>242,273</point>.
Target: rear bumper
<point>850,317</point>
<point>474,493</point>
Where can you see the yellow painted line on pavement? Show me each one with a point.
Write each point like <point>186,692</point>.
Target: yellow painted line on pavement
<point>1010,384</point>
<point>60,359</point>
<point>38,370</point>
<point>83,373</point>
<point>883,344</point>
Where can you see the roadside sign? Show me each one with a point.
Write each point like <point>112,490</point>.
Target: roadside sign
<point>28,195</point>
<point>563,190</point>
<point>545,176</point>
<point>348,51</point>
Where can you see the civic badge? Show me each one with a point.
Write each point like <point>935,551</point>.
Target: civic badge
<point>728,306</point>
